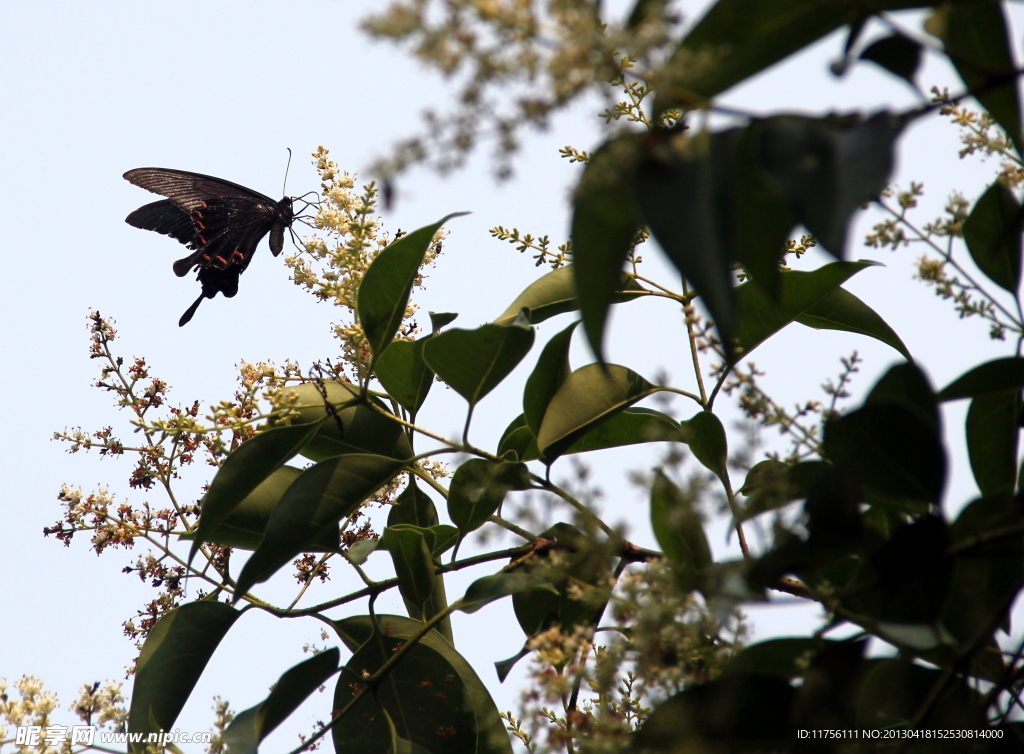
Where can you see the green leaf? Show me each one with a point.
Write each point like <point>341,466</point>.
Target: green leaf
<point>517,442</point>
<point>841,310</point>
<point>907,385</point>
<point>772,484</point>
<point>479,487</point>
<point>404,374</point>
<point>414,565</point>
<point>362,429</point>
<point>433,698</point>
<point>251,726</point>
<point>977,40</point>
<point>677,189</point>
<point>172,659</point>
<point>992,234</point>
<point>895,689</point>
<point>737,39</point>
<point>244,526</point>
<point>992,437</point>
<point>759,317</point>
<point>991,377</point>
<point>244,470</point>
<point>551,371</point>
<point>605,222</point>
<point>679,529</point>
<point>632,426</point>
<point>440,319</point>
<point>891,449</point>
<point>988,568</point>
<point>490,588</point>
<point>317,500</point>
<point>474,362</point>
<point>588,396</point>
<point>899,55</point>
<point>829,167</point>
<point>706,437</point>
<point>555,293</point>
<point>580,574</point>
<point>736,712</point>
<point>384,291</point>
<point>413,506</point>
<point>784,658</point>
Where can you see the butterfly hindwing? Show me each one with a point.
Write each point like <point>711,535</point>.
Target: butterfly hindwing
<point>221,222</point>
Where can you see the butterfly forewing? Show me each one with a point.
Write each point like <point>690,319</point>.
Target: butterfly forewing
<point>220,221</point>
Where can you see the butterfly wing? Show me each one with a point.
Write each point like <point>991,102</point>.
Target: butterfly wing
<point>164,217</point>
<point>220,221</point>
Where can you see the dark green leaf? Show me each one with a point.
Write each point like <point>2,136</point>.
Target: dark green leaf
<point>384,290</point>
<point>474,362</point>
<point>706,437</point>
<point>440,319</point>
<point>413,506</point>
<point>759,316</point>
<point>244,526</point>
<point>588,396</point>
<point>517,442</point>
<point>414,565</point>
<point>679,187</point>
<point>988,568</point>
<point>772,484</point>
<point>738,712</point>
<point>479,487</point>
<point>432,690</point>
<point>897,54</point>
<point>244,470</point>
<point>991,377</point>
<point>584,568</point>
<point>317,500</point>
<point>891,449</point>
<point>740,38</point>
<point>605,222</point>
<point>907,385</point>
<point>251,726</point>
<point>489,588</point>
<point>362,429</point>
<point>555,293</point>
<point>679,529</point>
<point>993,236</point>
<point>551,371</point>
<point>992,436</point>
<point>977,41</point>
<point>896,689</point>
<point>782,658</point>
<point>173,658</point>
<point>629,427</point>
<point>404,374</point>
<point>841,310</point>
<point>828,167</point>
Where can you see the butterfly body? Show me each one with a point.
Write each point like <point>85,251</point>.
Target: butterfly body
<point>220,222</point>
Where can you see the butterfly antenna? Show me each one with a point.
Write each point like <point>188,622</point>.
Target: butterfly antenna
<point>284,189</point>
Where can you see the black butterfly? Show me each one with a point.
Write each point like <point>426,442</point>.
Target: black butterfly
<point>221,222</point>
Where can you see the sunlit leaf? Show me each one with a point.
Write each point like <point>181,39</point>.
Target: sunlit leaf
<point>588,396</point>
<point>555,293</point>
<point>706,437</point>
<point>404,374</point>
